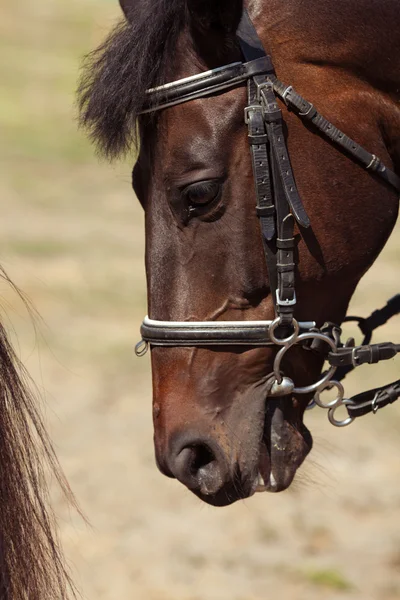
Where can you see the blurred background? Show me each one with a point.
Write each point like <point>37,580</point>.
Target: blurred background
<point>71,237</point>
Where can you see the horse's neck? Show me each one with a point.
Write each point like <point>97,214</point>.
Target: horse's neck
<point>361,37</point>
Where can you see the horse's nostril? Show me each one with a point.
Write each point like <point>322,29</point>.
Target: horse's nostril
<point>197,467</point>
<point>201,457</point>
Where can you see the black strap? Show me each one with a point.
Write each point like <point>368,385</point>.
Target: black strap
<point>276,191</point>
<point>348,358</point>
<point>378,318</point>
<point>205,84</point>
<point>250,43</point>
<point>258,141</point>
<point>265,208</point>
<point>274,120</point>
<point>361,355</point>
<point>308,112</point>
<point>284,295</point>
<point>373,400</point>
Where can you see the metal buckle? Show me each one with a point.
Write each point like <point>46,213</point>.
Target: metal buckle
<point>305,114</point>
<point>374,164</point>
<point>374,404</point>
<point>247,110</point>
<point>262,86</point>
<point>354,357</point>
<point>285,302</point>
<point>285,93</point>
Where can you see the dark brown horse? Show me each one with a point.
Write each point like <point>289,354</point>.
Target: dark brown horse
<point>31,561</point>
<point>214,429</point>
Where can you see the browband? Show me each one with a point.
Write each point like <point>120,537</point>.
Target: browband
<point>205,84</point>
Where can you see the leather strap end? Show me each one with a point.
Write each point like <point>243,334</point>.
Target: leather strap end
<point>268,228</point>
<point>301,216</point>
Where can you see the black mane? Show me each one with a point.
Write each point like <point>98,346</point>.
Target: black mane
<point>116,75</point>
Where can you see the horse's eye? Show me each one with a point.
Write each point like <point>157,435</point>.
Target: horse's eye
<point>201,194</point>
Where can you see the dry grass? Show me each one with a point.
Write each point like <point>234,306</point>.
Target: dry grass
<point>71,237</point>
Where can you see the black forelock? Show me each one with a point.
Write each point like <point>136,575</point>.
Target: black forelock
<point>116,75</point>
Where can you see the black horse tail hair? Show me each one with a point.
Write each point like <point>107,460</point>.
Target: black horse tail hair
<point>32,565</point>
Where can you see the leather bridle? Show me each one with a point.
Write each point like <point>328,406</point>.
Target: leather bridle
<point>279,207</point>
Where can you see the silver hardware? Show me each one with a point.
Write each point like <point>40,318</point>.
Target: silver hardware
<point>284,341</point>
<point>300,338</point>
<point>335,404</point>
<point>354,357</point>
<point>332,411</point>
<point>374,164</point>
<point>262,86</point>
<point>332,403</point>
<point>199,76</point>
<point>287,91</point>
<point>187,325</point>
<point>305,114</point>
<point>284,388</point>
<point>141,348</point>
<point>248,109</point>
<point>285,302</point>
<point>374,404</point>
<point>288,343</point>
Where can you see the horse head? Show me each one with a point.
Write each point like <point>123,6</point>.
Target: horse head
<point>218,429</point>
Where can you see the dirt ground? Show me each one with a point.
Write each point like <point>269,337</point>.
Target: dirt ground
<point>71,236</point>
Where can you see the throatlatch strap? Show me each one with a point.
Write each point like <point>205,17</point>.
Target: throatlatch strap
<point>306,111</point>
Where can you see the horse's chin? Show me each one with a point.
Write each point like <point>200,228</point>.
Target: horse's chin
<point>286,443</point>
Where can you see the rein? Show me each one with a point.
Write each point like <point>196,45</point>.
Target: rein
<point>279,207</point>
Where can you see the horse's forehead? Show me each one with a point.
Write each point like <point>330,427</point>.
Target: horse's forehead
<point>201,130</point>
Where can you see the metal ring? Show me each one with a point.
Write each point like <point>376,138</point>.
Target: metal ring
<point>328,376</point>
<point>331,415</point>
<point>141,348</point>
<point>333,403</point>
<point>283,341</point>
<point>306,336</point>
